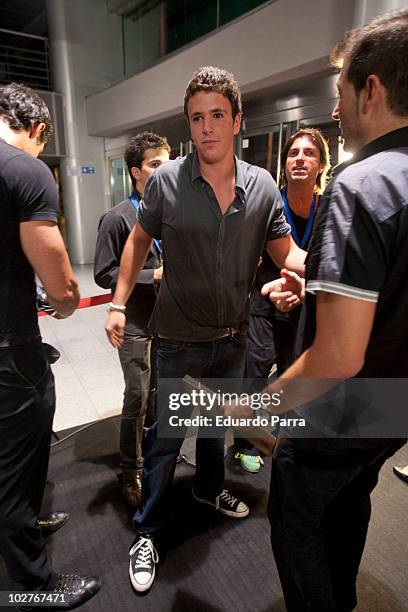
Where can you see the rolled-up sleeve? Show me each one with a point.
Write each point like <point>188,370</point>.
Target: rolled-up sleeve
<point>278,227</point>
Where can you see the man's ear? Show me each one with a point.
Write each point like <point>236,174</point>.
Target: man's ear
<point>36,131</point>
<point>136,173</point>
<point>371,93</point>
<point>237,123</point>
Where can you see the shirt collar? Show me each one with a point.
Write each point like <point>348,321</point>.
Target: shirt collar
<point>391,140</point>
<point>239,176</point>
<point>137,194</point>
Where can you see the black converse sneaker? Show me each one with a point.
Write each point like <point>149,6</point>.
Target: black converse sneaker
<point>226,504</point>
<point>143,558</point>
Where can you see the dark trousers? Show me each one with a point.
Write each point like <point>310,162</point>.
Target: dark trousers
<point>319,510</point>
<point>261,354</point>
<point>135,359</point>
<point>260,358</point>
<point>27,403</point>
<point>222,358</point>
<point>285,333</point>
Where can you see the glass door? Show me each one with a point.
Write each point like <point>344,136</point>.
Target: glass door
<point>263,149</point>
<point>119,179</point>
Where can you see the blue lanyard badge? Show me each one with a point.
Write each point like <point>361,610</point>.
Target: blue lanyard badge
<point>289,218</point>
<point>136,204</point>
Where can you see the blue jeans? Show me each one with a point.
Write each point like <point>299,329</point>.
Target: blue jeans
<point>221,358</point>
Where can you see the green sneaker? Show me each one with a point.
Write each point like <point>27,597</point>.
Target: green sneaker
<point>249,463</point>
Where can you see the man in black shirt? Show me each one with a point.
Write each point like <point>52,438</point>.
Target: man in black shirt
<point>357,305</point>
<point>144,153</point>
<point>30,243</point>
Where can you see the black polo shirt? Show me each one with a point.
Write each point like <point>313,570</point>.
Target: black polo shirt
<point>210,259</point>
<point>359,248</point>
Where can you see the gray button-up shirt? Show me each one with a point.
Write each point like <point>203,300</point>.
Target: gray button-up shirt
<point>210,259</point>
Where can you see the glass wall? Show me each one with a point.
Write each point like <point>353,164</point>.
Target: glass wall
<point>158,27</point>
<point>142,39</point>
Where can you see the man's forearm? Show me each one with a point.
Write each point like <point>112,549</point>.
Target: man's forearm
<point>312,375</point>
<point>337,353</point>
<point>286,254</point>
<point>295,261</point>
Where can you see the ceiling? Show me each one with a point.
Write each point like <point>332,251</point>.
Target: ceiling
<point>24,16</point>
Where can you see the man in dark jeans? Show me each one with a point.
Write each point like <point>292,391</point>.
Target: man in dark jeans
<point>30,243</point>
<point>214,214</point>
<point>144,153</point>
<point>357,304</point>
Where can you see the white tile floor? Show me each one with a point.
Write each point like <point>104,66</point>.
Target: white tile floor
<point>88,376</point>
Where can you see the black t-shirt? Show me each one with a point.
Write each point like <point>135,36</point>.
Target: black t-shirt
<point>27,193</point>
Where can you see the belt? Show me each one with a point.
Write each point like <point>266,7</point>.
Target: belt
<point>6,343</point>
<point>228,331</point>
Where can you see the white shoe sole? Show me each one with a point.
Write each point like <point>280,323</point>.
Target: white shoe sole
<point>249,471</point>
<point>401,472</point>
<point>236,515</point>
<point>226,512</point>
<point>141,588</point>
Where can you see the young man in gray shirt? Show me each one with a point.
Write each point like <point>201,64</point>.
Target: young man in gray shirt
<point>214,215</point>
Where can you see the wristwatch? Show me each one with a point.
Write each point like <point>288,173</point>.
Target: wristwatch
<point>116,308</point>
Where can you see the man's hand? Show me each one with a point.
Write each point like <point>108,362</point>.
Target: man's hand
<point>158,274</point>
<point>286,292</point>
<point>238,410</point>
<point>115,328</point>
<point>259,436</point>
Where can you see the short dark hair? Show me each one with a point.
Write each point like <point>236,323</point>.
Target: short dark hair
<point>137,147</point>
<point>320,141</point>
<point>381,48</point>
<point>209,79</point>
<point>23,108</point>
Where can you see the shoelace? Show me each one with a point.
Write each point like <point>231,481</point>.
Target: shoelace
<point>227,497</point>
<point>68,583</point>
<point>146,553</point>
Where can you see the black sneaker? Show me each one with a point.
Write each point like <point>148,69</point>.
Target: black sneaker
<point>74,590</point>
<point>143,558</point>
<point>226,504</point>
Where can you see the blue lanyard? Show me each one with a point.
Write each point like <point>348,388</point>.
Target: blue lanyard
<point>289,218</point>
<point>136,204</point>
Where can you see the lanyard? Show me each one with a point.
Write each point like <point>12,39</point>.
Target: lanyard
<point>136,204</point>
<point>289,218</point>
